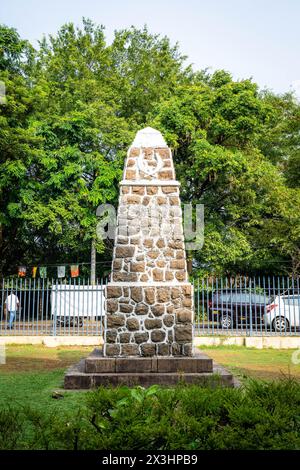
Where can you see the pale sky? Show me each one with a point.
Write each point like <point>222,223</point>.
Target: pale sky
<point>249,38</point>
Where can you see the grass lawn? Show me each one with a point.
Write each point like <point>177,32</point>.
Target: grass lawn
<point>32,373</point>
<point>266,364</point>
<point>260,416</point>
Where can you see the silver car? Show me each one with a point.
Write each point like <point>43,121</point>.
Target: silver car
<point>283,314</point>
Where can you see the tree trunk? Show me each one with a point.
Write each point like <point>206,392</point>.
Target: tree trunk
<point>93,262</point>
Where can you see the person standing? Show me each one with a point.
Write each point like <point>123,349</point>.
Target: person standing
<point>12,304</point>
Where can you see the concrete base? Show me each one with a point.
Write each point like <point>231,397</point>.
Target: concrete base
<point>97,370</point>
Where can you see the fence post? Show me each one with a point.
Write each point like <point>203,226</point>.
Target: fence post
<point>55,311</point>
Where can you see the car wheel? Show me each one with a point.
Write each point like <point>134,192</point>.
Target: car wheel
<point>280,324</point>
<point>226,322</point>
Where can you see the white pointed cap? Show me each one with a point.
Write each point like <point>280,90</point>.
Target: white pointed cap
<point>149,137</point>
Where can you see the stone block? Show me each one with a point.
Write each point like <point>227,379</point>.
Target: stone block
<point>157,310</point>
<point>157,336</point>
<point>132,324</point>
<point>141,309</point>
<point>124,251</point>
<point>136,294</point>
<point>150,295</point>
<point>152,323</point>
<point>115,321</point>
<point>112,349</point>
<point>168,320</point>
<point>130,349</point>
<point>183,315</point>
<point>124,337</point>
<point>111,336</point>
<point>163,294</point>
<point>141,337</point>
<point>148,349</point>
<point>183,333</point>
<point>112,306</point>
<point>113,292</point>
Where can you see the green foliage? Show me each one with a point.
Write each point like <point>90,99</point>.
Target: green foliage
<point>261,416</point>
<point>73,107</point>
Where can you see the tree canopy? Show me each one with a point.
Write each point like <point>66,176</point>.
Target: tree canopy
<point>72,109</point>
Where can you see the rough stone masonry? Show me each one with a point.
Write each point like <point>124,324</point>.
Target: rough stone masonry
<point>149,301</point>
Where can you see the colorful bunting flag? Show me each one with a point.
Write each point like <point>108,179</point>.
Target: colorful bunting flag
<point>61,271</point>
<point>74,270</point>
<point>34,270</point>
<point>22,271</point>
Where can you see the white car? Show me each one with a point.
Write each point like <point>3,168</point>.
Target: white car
<point>283,314</point>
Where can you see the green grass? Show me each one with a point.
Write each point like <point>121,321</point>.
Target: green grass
<point>32,373</point>
<point>260,415</point>
<point>265,364</point>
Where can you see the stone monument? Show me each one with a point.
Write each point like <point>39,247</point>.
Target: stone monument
<point>149,299</point>
<point>148,329</point>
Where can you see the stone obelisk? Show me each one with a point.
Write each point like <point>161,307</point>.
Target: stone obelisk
<point>148,334</point>
<point>149,301</point>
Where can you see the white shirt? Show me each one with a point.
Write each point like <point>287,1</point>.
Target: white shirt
<point>12,303</point>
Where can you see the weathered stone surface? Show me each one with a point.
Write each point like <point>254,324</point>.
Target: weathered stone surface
<point>124,337</point>
<point>169,189</point>
<point>188,349</point>
<point>111,336</point>
<point>136,293</point>
<point>169,275</point>
<point>168,320</point>
<point>115,321</point>
<point>175,349</point>
<point>183,333</point>
<point>137,267</point>
<point>175,293</point>
<point>111,306</point>
<point>160,243</point>
<point>157,310</point>
<point>158,274</point>
<point>180,275</point>
<point>129,349</point>
<point>141,337</point>
<point>151,319</point>
<point>177,264</point>
<point>124,251</point>
<point>163,349</point>
<point>187,302</point>
<point>124,277</point>
<point>133,324</point>
<point>125,308</point>
<point>114,292</point>
<point>158,335</point>
<point>150,295</point>
<point>148,349</point>
<point>138,190</point>
<point>117,264</point>
<point>112,349</point>
<point>184,315</point>
<point>163,294</point>
<point>141,309</point>
<point>151,323</point>
<point>151,189</point>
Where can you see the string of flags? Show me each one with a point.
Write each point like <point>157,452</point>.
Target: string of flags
<point>42,271</point>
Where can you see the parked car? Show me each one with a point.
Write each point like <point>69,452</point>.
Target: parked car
<point>283,313</point>
<point>233,308</point>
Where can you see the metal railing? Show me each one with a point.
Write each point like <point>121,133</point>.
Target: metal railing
<point>245,306</point>
<point>241,305</point>
<point>51,307</point>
